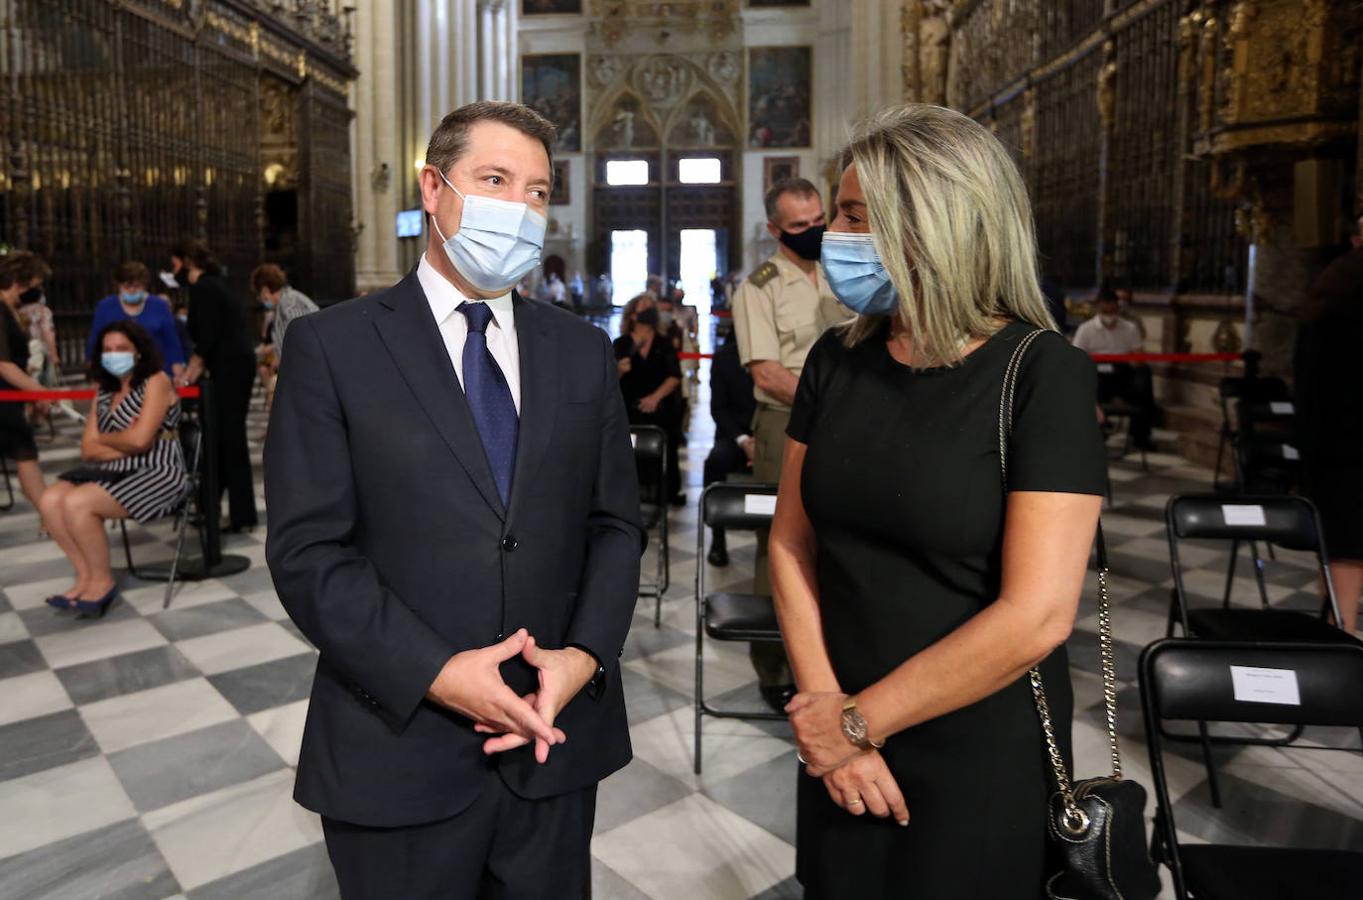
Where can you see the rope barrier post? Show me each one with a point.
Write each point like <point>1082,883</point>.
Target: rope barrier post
<point>213,564</point>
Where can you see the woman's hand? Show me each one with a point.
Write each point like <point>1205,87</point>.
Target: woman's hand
<point>624,365</point>
<point>865,784</point>
<point>817,720</point>
<point>649,404</point>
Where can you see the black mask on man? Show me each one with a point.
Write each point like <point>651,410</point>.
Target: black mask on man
<point>807,243</point>
<point>32,295</point>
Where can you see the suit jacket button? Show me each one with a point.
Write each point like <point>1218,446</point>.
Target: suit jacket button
<point>509,543</point>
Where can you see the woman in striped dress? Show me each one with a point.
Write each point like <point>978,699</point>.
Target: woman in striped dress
<point>133,465</point>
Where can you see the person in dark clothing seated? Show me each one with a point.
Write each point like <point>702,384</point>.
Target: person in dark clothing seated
<point>650,379</point>
<point>732,405</point>
<point>1108,333</point>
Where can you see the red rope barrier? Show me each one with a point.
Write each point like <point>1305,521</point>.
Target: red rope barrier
<point>1165,357</point>
<point>695,356</point>
<point>721,314</point>
<point>187,393</point>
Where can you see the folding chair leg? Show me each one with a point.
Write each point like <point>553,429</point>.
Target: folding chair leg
<point>1259,572</point>
<point>700,692</point>
<point>1230,573</point>
<point>182,526</point>
<point>1173,612</point>
<point>127,549</point>
<point>1207,761</point>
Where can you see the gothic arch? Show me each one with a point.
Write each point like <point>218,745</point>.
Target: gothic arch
<point>622,120</point>
<point>704,119</point>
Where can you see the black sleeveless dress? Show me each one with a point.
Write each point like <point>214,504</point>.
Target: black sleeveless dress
<point>901,483</point>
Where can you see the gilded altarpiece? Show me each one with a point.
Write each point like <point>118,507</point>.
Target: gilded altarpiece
<point>128,125</point>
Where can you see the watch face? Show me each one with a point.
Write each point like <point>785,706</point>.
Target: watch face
<point>854,726</point>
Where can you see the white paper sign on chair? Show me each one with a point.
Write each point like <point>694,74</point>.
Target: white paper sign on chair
<point>1253,684</point>
<point>759,504</point>
<point>1243,514</point>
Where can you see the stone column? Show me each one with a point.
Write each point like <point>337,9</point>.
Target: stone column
<point>377,162</point>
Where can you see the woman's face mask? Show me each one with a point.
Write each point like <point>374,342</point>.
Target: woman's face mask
<point>856,275</point>
<point>117,362</point>
<point>133,298</point>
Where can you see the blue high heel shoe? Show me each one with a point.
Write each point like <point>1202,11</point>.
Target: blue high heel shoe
<point>60,602</point>
<point>97,608</point>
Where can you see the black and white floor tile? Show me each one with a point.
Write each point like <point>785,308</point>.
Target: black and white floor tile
<point>149,754</point>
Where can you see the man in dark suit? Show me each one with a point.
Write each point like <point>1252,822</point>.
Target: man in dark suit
<point>454,523</point>
<point>732,405</point>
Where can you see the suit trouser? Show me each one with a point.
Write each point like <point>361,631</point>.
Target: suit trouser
<point>769,445</point>
<point>232,383</point>
<point>503,846</point>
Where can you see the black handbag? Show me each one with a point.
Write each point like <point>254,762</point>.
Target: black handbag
<point>1097,826</point>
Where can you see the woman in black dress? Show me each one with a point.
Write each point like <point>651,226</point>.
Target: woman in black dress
<point>225,349</point>
<point>650,377</point>
<point>21,275</point>
<point>913,594</point>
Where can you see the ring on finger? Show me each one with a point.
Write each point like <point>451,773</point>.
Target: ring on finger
<point>855,801</point>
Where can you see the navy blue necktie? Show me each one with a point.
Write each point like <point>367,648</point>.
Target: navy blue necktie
<point>494,412</point>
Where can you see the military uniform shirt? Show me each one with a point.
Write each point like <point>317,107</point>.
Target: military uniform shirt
<point>779,313</point>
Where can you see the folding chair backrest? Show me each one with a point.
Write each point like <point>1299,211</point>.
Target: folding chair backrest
<point>738,507</point>
<point>1287,521</point>
<point>1254,389</point>
<point>650,443</point>
<point>1277,683</point>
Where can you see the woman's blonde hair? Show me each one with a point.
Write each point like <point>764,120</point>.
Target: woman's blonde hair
<point>950,218</point>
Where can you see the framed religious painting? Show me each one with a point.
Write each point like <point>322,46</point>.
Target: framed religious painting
<point>558,194</point>
<point>551,85</point>
<point>779,93</point>
<point>778,168</point>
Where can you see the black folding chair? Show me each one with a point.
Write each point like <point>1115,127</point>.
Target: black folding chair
<point>191,446</point>
<point>650,456</point>
<point>1242,389</point>
<point>1291,522</point>
<point>726,616</point>
<point>9,486</point>
<point>1275,684</point>
<point>1266,464</point>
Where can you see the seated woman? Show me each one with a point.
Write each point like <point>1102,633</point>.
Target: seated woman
<point>134,467</point>
<point>649,378</point>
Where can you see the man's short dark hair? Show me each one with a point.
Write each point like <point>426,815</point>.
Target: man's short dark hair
<point>1107,295</point>
<point>22,266</point>
<point>132,272</point>
<point>450,139</point>
<point>800,187</point>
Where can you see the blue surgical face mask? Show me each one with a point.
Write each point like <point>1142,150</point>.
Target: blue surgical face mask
<point>497,243</point>
<point>117,363</point>
<point>136,298</point>
<point>856,275</point>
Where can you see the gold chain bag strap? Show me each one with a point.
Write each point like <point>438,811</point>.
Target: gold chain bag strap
<point>1097,825</point>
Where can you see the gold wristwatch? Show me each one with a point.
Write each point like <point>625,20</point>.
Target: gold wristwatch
<point>855,729</point>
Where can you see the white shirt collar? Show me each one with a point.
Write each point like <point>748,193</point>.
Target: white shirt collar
<point>445,298</point>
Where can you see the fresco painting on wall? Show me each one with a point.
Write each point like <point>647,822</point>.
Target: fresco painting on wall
<point>551,84</point>
<point>557,7</point>
<point>758,4</point>
<point>779,88</point>
<point>558,194</point>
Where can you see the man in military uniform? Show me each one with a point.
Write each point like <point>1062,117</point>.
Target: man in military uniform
<point>779,312</point>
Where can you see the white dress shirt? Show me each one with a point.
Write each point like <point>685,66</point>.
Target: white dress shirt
<point>445,298</point>
<point>1095,337</point>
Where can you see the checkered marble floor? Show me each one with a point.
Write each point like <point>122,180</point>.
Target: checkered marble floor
<point>149,755</point>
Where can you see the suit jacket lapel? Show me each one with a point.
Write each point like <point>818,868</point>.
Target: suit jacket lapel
<point>540,379</point>
<point>410,333</point>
